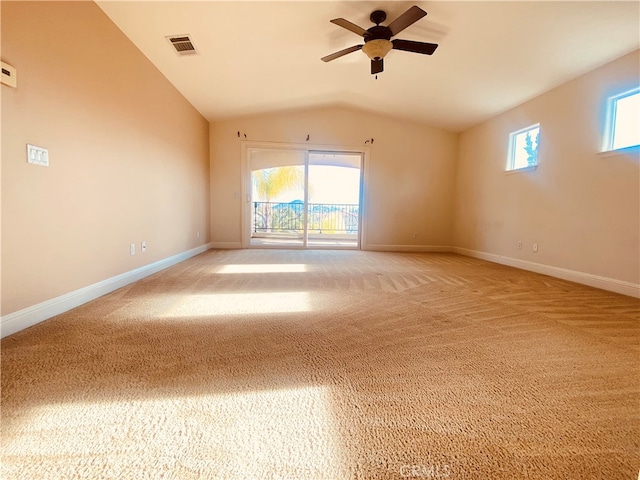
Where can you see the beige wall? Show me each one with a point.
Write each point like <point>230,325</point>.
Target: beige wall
<point>130,162</point>
<point>581,208</point>
<point>129,155</point>
<point>410,173</point>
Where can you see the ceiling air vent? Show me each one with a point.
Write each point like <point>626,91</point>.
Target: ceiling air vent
<point>182,44</point>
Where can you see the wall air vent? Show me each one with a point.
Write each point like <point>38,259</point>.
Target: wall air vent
<point>183,45</point>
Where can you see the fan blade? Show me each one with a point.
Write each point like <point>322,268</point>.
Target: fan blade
<point>415,47</point>
<point>407,18</point>
<point>339,54</point>
<point>377,66</point>
<point>352,27</point>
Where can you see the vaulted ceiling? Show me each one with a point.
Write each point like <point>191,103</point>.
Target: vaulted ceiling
<point>256,57</point>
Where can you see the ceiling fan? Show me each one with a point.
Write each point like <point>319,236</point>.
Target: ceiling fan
<point>377,39</point>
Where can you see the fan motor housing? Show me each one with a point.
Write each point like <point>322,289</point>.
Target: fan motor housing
<point>378,33</point>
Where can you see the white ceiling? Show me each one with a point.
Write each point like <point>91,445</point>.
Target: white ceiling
<point>262,56</point>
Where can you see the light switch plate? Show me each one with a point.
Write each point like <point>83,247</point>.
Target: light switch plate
<point>37,155</point>
<point>9,75</point>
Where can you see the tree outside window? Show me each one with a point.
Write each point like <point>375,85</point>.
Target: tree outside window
<point>523,148</point>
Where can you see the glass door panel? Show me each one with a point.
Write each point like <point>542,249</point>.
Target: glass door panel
<point>277,197</point>
<point>333,210</point>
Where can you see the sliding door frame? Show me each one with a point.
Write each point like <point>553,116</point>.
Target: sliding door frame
<point>246,146</point>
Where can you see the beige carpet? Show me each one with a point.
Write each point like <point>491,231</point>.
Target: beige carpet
<point>262,364</point>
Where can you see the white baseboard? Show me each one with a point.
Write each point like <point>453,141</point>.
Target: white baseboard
<point>406,248</point>
<point>27,317</point>
<point>226,245</point>
<point>604,283</point>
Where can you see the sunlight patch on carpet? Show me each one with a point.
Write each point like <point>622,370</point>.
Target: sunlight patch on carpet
<point>263,268</point>
<point>235,435</point>
<point>205,305</point>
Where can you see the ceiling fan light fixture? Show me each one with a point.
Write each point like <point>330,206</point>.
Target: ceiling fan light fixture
<point>377,49</point>
<point>377,39</point>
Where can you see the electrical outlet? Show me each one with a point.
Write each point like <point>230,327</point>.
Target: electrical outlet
<point>535,247</point>
<point>519,244</point>
<point>133,249</point>
<point>198,234</point>
<point>415,235</point>
<point>143,247</point>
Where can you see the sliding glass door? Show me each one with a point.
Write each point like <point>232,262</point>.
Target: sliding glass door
<point>333,193</point>
<point>303,198</point>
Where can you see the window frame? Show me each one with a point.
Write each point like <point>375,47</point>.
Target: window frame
<point>511,153</point>
<point>610,122</point>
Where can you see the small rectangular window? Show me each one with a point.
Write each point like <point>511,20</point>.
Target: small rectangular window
<point>523,148</point>
<point>623,121</point>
